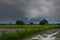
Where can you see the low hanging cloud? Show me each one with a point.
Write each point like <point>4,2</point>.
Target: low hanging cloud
<point>49,9</point>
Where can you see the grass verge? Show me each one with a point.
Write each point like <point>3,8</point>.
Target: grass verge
<point>22,33</point>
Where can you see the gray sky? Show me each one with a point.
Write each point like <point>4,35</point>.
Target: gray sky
<point>12,10</point>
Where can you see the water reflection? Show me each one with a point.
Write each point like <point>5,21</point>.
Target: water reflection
<point>46,36</point>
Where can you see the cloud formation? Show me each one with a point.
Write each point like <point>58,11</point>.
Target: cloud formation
<point>49,9</point>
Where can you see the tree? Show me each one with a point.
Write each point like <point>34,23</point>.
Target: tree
<point>43,22</point>
<point>31,23</point>
<point>20,22</point>
<point>10,23</point>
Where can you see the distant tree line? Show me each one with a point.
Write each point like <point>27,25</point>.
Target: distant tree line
<point>42,22</point>
<point>20,22</point>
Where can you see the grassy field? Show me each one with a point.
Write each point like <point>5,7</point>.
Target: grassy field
<point>26,26</point>
<point>22,33</point>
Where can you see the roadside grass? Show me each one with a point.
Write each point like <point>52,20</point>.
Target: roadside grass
<point>23,33</point>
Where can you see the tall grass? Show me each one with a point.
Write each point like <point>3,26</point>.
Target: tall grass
<point>22,33</point>
<point>24,26</point>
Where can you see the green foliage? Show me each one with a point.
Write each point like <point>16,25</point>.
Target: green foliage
<point>31,23</point>
<point>26,26</point>
<point>22,33</point>
<point>43,22</point>
<point>20,22</point>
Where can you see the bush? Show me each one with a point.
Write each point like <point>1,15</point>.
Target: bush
<point>43,22</point>
<point>31,23</point>
<point>20,22</point>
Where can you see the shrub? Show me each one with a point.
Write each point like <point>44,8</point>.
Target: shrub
<point>43,22</point>
<point>31,23</point>
<point>20,22</point>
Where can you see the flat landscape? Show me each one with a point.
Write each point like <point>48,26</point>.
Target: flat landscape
<point>28,26</point>
<point>15,32</point>
<point>29,19</point>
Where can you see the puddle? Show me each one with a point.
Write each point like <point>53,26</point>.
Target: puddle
<point>46,35</point>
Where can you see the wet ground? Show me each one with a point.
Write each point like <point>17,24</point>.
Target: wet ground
<point>6,30</point>
<point>53,34</point>
<point>13,29</point>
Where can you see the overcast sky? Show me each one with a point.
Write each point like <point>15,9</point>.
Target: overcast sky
<point>29,10</point>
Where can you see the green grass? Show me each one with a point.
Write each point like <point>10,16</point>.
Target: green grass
<point>25,26</point>
<point>22,33</point>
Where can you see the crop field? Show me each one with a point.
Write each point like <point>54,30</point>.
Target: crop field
<point>22,33</point>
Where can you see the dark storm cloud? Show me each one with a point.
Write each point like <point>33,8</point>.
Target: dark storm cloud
<point>10,11</point>
<point>16,9</point>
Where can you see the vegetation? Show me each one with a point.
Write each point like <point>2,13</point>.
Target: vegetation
<point>31,23</point>
<point>27,26</point>
<point>20,22</point>
<point>43,22</point>
<point>22,33</point>
<point>28,29</point>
